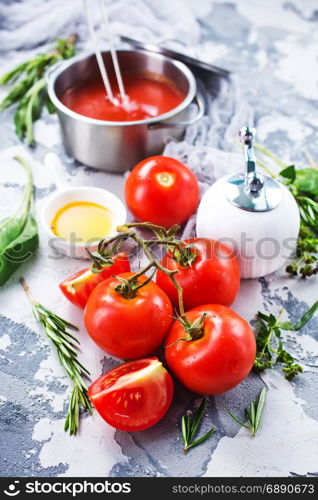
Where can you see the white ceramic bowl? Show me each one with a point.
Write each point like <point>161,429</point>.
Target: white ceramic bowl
<point>66,195</point>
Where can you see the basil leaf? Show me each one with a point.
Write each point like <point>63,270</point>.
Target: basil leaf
<point>286,325</point>
<point>19,251</point>
<point>307,181</point>
<point>289,173</point>
<point>18,234</point>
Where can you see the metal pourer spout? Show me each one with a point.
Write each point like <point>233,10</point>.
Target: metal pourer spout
<point>254,181</point>
<point>251,190</point>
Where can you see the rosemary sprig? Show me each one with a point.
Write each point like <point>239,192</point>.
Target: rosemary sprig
<point>190,429</point>
<point>56,329</point>
<point>270,347</point>
<point>28,90</point>
<point>254,413</point>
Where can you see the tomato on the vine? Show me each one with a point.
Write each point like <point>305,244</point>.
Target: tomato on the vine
<point>128,321</point>
<point>162,190</point>
<point>213,352</point>
<point>208,274</point>
<point>78,287</point>
<point>133,396</point>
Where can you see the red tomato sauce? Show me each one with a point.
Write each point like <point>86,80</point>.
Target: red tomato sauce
<point>146,98</point>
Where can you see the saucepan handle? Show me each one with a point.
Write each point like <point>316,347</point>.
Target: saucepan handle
<point>198,101</point>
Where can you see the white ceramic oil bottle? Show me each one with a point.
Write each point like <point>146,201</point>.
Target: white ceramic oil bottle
<point>254,214</point>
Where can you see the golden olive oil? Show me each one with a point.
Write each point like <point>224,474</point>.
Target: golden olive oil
<point>84,220</point>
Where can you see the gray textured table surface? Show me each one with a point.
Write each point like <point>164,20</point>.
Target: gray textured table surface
<point>272,48</point>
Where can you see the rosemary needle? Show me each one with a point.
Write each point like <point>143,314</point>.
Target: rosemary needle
<point>56,329</point>
<point>190,429</point>
<point>254,413</point>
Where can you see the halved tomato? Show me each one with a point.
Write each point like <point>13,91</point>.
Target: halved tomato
<point>78,287</point>
<point>134,396</point>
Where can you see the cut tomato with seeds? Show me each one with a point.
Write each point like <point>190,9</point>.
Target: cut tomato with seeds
<point>78,287</point>
<point>134,396</point>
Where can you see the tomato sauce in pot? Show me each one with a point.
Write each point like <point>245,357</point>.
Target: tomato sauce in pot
<point>146,98</point>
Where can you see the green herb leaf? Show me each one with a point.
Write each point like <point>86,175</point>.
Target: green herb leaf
<point>18,233</point>
<point>260,408</point>
<point>307,316</point>
<point>190,429</point>
<point>286,325</point>
<point>291,370</point>
<point>237,420</point>
<point>28,91</point>
<point>184,428</point>
<point>254,413</point>
<point>307,181</point>
<point>270,348</point>
<point>303,184</point>
<point>197,420</point>
<point>201,439</point>
<point>12,75</point>
<point>289,173</point>
<point>55,328</point>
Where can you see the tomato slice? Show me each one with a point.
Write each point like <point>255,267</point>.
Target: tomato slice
<point>134,396</point>
<point>78,287</point>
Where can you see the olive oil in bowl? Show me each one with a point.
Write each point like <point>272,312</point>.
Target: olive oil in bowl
<point>83,220</point>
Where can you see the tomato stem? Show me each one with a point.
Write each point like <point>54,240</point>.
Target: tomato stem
<point>152,261</point>
<point>193,330</point>
<point>182,252</point>
<point>179,290</point>
<point>162,231</point>
<point>141,272</point>
<point>126,288</point>
<point>107,248</point>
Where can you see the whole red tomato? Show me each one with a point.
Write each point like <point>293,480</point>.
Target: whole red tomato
<point>133,396</point>
<point>78,287</point>
<point>213,276</point>
<point>126,326</point>
<point>220,355</point>
<point>162,190</point>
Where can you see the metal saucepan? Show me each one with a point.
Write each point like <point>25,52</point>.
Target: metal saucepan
<point>118,146</point>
